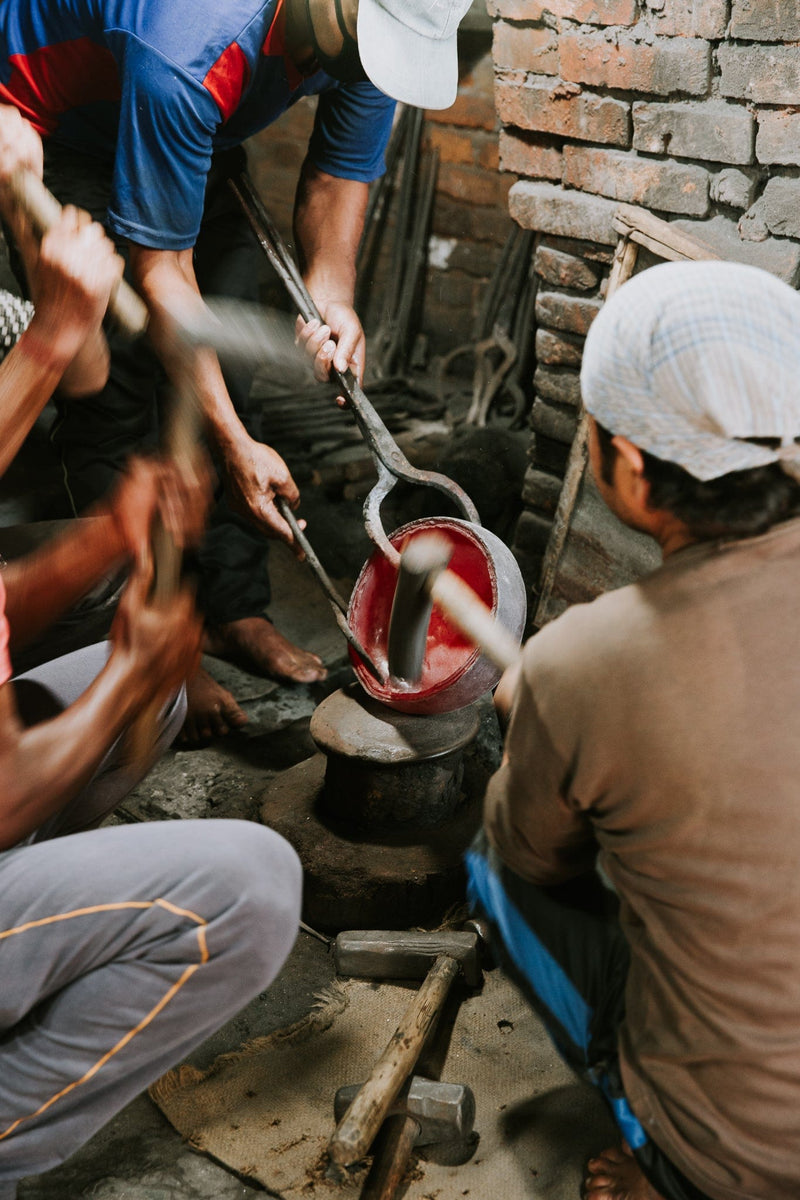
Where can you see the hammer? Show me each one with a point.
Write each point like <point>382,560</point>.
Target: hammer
<point>422,581</point>
<point>425,1112</point>
<point>377,954</point>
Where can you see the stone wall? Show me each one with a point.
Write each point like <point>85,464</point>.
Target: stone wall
<point>689,108</point>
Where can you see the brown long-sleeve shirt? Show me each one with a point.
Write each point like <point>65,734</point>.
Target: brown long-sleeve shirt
<point>662,722</point>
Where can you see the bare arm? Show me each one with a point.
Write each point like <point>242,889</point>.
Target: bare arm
<point>254,473</point>
<point>47,582</point>
<point>329,218</point>
<point>42,767</point>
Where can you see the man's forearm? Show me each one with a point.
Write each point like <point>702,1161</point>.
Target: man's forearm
<point>44,766</point>
<point>47,582</point>
<point>29,375</point>
<point>328,221</point>
<point>166,280</point>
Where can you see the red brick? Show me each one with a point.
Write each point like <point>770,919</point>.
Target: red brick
<point>668,65</point>
<point>473,185</point>
<point>778,139</point>
<point>470,110</point>
<point>565,270</point>
<point>765,20</point>
<point>569,314</point>
<point>550,209</point>
<point>765,74</point>
<point>487,154</point>
<point>690,18</point>
<point>654,183</point>
<point>525,48</point>
<point>528,154</point>
<point>454,146</point>
<point>588,12</point>
<point>558,350</point>
<point>548,107</point>
<point>452,218</point>
<point>709,129</point>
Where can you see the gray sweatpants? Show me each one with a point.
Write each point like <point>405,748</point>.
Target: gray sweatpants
<point>120,950</point>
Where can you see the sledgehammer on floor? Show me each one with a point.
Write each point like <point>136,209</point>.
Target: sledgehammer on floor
<point>377,954</point>
<point>423,580</point>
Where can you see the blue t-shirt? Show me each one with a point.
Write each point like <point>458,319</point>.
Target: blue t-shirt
<point>158,85</point>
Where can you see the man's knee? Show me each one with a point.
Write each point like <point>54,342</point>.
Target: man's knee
<point>262,876</point>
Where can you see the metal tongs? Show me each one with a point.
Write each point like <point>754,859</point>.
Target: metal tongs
<point>390,462</point>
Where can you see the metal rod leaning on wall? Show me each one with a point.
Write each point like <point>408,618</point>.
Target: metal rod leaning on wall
<point>636,227</point>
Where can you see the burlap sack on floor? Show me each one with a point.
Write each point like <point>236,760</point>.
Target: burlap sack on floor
<point>266,1112</point>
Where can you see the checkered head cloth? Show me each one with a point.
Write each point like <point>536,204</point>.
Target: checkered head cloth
<point>15,315</point>
<point>690,360</point>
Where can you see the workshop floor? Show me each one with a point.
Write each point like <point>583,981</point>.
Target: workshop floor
<point>138,1156</point>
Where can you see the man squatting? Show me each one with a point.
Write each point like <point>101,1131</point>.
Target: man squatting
<point>121,948</point>
<point>658,725</point>
<point>143,108</point>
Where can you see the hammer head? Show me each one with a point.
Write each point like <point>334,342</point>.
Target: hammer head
<point>420,562</point>
<point>444,1112</point>
<point>396,954</point>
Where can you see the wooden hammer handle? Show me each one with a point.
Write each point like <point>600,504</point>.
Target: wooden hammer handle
<point>43,210</point>
<point>466,610</point>
<point>356,1131</point>
<point>397,1140</point>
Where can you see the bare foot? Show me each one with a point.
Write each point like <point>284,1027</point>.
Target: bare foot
<point>255,644</point>
<point>616,1175</point>
<point>212,710</point>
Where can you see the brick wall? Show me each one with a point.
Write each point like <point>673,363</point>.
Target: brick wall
<point>690,108</point>
<point>470,216</point>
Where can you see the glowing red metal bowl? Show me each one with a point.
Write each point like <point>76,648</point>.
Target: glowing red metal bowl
<point>454,672</point>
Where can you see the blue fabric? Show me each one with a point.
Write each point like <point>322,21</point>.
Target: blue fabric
<point>160,86</point>
<point>546,976</point>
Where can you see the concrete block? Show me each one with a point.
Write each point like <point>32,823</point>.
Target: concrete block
<point>563,386</point>
<point>710,130</point>
<point>530,154</point>
<point>782,207</point>
<point>667,65</point>
<point>653,183</point>
<point>778,138</point>
<point>764,74</point>
<point>780,256</point>
<point>547,106</point>
<point>569,314</point>
<point>541,490</point>
<point>752,226</point>
<point>550,209</point>
<point>687,18</point>
<point>558,350</point>
<point>525,48</point>
<point>565,270</point>
<point>765,20</point>
<point>532,533</point>
<point>553,422</point>
<point>735,188</point>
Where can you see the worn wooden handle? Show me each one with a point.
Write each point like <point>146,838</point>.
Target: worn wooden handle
<point>466,610</point>
<point>43,210</point>
<point>398,1137</point>
<point>356,1131</point>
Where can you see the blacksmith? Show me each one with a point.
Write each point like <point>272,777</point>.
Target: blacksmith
<point>658,725</point>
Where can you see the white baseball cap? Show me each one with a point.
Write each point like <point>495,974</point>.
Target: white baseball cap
<point>696,361</point>
<point>408,48</point>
